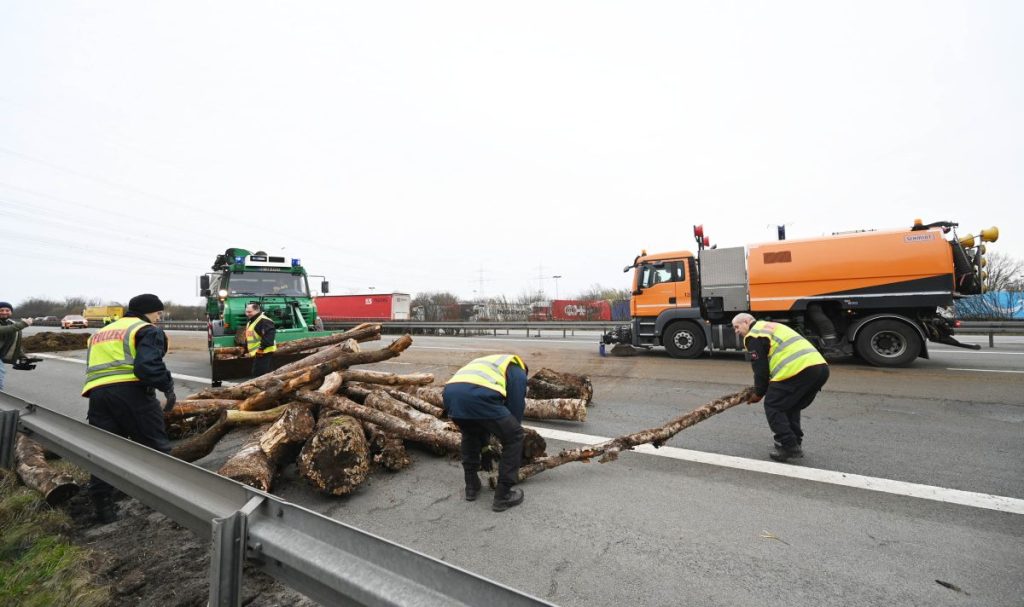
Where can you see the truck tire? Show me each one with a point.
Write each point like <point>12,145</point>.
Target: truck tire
<point>888,343</point>
<point>683,340</point>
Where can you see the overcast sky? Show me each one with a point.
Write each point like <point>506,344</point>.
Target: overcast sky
<point>483,148</point>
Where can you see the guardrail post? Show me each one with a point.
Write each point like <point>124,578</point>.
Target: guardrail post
<point>8,437</point>
<point>228,556</point>
<point>991,339</point>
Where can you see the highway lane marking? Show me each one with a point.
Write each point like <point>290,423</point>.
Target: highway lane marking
<point>982,370</point>
<point>856,481</point>
<point>976,352</point>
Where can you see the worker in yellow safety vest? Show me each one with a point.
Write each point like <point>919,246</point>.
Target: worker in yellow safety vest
<point>788,374</point>
<point>488,397</point>
<point>260,335</point>
<point>124,369</point>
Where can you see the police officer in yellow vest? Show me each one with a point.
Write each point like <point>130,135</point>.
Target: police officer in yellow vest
<point>260,335</point>
<point>788,373</point>
<point>125,368</point>
<point>485,397</point>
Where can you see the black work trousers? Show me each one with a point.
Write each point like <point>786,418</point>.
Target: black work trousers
<point>130,410</point>
<point>261,365</point>
<point>786,399</point>
<point>476,433</point>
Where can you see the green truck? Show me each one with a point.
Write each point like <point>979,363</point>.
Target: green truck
<point>279,284</point>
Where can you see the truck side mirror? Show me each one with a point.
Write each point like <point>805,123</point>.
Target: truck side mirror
<point>325,287</point>
<point>204,286</point>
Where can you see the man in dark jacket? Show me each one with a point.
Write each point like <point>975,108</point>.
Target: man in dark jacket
<point>260,338</point>
<point>10,338</point>
<point>788,373</point>
<point>485,397</point>
<point>125,368</point>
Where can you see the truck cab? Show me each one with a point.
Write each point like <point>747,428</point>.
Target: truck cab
<point>665,303</point>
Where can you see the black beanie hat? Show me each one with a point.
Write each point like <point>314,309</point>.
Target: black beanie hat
<point>4,304</point>
<point>145,303</point>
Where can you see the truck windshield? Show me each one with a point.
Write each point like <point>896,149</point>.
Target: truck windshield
<point>267,283</point>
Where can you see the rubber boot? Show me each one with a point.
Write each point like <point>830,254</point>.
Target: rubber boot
<point>104,507</point>
<point>505,499</point>
<point>473,486</point>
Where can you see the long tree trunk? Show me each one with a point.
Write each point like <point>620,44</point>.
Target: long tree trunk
<point>391,379</point>
<point>319,371</point>
<point>609,450</point>
<point>188,408</point>
<point>415,402</point>
<point>363,332</point>
<point>31,465</point>
<point>346,347</point>
<point>553,408</point>
<point>335,459</point>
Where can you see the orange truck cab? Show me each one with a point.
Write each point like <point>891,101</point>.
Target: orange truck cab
<point>880,295</point>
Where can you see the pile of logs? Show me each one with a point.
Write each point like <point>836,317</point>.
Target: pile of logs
<point>336,421</point>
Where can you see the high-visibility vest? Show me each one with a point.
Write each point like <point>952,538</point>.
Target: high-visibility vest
<point>789,353</point>
<point>253,339</point>
<point>487,371</point>
<point>111,355</point>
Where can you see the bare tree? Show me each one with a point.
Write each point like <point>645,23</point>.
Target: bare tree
<point>1005,297</point>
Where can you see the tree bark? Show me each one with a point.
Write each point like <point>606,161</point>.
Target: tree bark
<point>415,402</point>
<point>546,384</point>
<point>31,465</point>
<point>389,423</point>
<point>329,353</point>
<point>245,389</point>
<point>387,449</point>
<point>364,332</point>
<point>250,465</point>
<point>572,409</point>
<point>379,400</point>
<point>609,450</point>
<point>188,408</point>
<point>555,408</point>
<point>321,370</point>
<point>200,446</point>
<point>335,459</point>
<point>282,441</point>
<point>390,379</point>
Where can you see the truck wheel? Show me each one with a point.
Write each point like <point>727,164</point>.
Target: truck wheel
<point>888,343</point>
<point>683,340</point>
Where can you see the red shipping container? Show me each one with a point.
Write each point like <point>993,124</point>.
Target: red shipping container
<point>388,306</point>
<point>570,309</point>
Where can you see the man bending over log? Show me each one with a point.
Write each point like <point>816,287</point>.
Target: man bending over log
<point>485,397</point>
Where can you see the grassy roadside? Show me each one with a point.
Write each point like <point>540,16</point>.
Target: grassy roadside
<point>38,564</point>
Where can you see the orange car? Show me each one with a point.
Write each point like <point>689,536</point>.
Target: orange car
<point>74,321</point>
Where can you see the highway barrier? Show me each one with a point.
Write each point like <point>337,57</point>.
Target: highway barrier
<point>324,559</point>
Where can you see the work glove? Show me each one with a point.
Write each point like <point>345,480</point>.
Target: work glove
<point>170,400</point>
<point>755,398</point>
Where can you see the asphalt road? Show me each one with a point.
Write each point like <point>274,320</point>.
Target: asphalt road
<point>664,529</point>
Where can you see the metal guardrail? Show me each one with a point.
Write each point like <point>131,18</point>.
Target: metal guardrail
<point>991,328</point>
<point>324,559</point>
